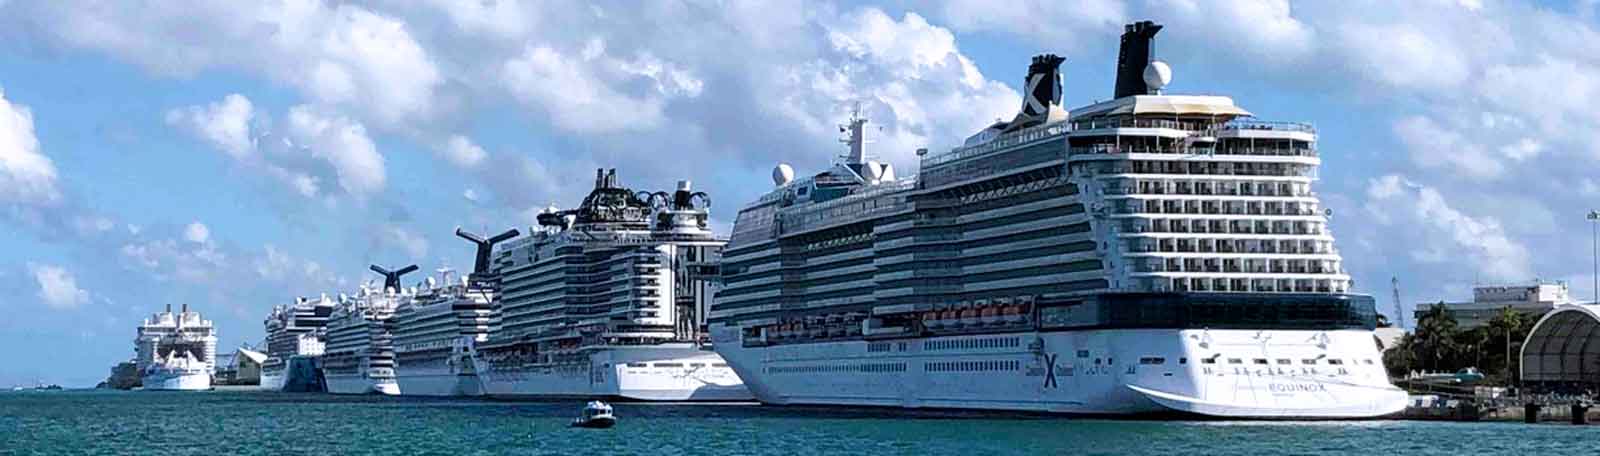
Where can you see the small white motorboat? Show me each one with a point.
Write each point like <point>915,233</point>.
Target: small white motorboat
<point>595,415</point>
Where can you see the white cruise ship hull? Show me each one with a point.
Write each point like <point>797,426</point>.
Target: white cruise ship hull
<point>441,383</point>
<point>360,384</point>
<point>1281,374</point>
<point>177,381</point>
<point>668,372</point>
<point>273,380</point>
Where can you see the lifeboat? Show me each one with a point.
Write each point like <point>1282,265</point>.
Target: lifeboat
<point>931,320</point>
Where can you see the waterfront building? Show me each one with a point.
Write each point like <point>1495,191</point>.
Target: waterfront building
<point>1562,351</point>
<point>1533,300</point>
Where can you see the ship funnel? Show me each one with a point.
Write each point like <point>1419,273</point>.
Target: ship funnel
<point>480,264</point>
<point>391,279</point>
<point>185,307</point>
<point>1041,101</point>
<point>1134,58</point>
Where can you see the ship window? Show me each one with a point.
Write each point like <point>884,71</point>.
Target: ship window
<point>1308,361</point>
<point>719,364</point>
<point>1083,353</point>
<point>668,365</point>
<point>1097,361</point>
<point>1367,361</point>
<point>1153,361</point>
<point>1234,361</point>
<point>1335,361</point>
<point>1283,360</point>
<point>1208,360</point>
<point>1183,360</point>
<point>1260,360</point>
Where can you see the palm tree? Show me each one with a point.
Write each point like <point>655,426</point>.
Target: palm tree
<point>1436,334</point>
<point>1512,327</point>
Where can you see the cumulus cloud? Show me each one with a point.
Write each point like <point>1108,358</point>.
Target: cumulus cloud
<point>1434,146</point>
<point>197,233</point>
<point>343,143</point>
<point>337,54</point>
<point>314,146</point>
<point>27,176</point>
<point>582,90</point>
<point>58,289</point>
<point>1066,29</point>
<point>1439,233</point>
<point>462,152</point>
<point>414,245</point>
<point>224,124</point>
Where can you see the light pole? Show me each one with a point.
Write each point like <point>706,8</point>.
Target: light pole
<point>1594,228</point>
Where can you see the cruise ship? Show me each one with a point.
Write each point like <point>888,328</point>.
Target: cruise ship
<point>608,301</point>
<point>176,351</point>
<point>359,354</point>
<point>1151,254</point>
<point>436,331</point>
<point>295,342</point>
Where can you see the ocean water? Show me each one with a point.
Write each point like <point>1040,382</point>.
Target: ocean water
<point>250,423</point>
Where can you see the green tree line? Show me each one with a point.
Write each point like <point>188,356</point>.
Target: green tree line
<point>1439,345</point>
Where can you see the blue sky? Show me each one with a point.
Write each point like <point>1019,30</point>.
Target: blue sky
<point>232,156</point>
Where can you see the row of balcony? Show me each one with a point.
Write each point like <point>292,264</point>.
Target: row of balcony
<point>1161,225</point>
<point>1199,168</point>
<point>1233,246</point>
<point>1192,207</point>
<point>1238,266</point>
<point>1226,148</point>
<point>1207,188</point>
<point>1183,284</point>
<point>1193,125</point>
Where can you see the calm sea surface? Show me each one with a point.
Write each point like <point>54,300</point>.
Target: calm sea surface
<point>96,422</point>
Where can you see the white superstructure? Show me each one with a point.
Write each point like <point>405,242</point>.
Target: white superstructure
<point>1149,254</point>
<point>609,300</point>
<point>176,351</point>
<point>295,334</point>
<point>359,355</point>
<point>437,331</point>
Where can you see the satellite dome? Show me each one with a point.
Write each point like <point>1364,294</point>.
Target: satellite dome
<point>782,174</point>
<point>1157,75</point>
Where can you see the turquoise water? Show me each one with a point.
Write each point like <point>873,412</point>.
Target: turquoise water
<point>99,422</point>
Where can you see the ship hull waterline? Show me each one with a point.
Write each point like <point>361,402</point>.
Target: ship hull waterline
<point>1103,372</point>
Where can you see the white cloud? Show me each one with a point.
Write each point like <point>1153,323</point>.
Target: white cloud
<point>1066,29</point>
<point>197,233</point>
<point>27,176</point>
<point>1433,231</point>
<point>414,245</point>
<point>1404,56</point>
<point>313,146</point>
<point>273,264</point>
<point>57,287</point>
<point>463,152</point>
<point>1433,146</point>
<point>342,143</point>
<point>224,124</point>
<point>577,91</point>
<point>337,54</point>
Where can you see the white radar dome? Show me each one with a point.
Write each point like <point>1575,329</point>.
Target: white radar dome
<point>782,174</point>
<point>1157,75</point>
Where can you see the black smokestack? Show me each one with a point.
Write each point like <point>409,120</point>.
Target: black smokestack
<point>485,247</point>
<point>1043,86</point>
<point>391,279</point>
<point>1135,55</point>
